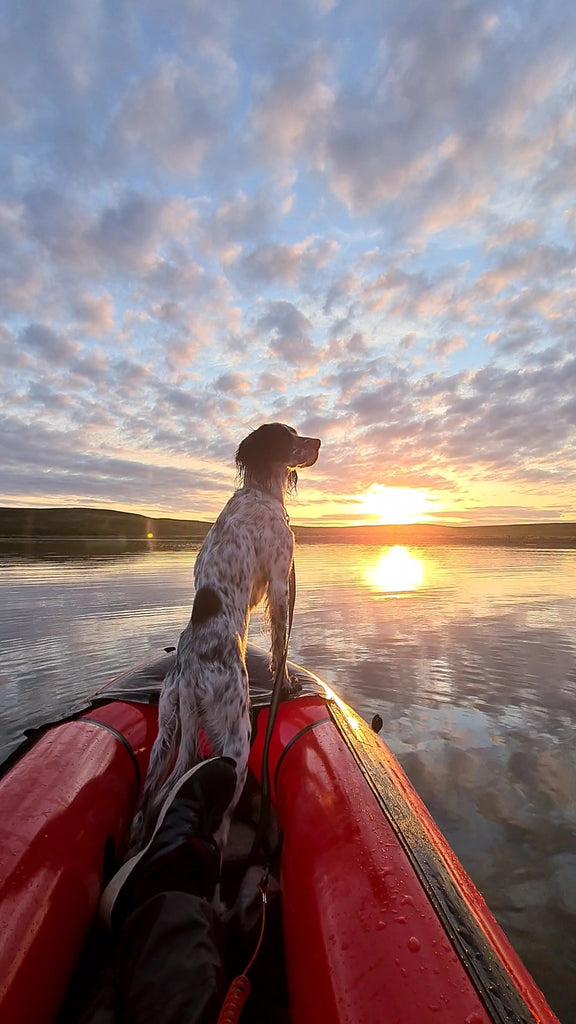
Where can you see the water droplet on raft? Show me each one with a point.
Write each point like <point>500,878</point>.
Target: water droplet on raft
<point>413,944</point>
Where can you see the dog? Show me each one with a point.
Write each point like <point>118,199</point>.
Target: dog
<point>246,557</point>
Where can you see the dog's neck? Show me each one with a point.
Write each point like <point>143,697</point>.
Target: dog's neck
<point>275,487</point>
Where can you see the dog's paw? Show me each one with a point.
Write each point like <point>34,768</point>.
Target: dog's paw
<point>291,685</point>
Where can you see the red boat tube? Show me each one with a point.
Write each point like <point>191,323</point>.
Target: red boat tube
<point>65,806</point>
<point>380,920</point>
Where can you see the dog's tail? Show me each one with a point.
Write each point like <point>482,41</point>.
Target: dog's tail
<point>162,758</point>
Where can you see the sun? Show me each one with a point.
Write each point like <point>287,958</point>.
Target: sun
<point>396,505</point>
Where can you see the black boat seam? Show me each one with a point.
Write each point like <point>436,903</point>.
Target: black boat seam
<point>295,738</point>
<point>121,739</point>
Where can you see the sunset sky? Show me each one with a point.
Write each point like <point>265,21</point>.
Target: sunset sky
<point>355,217</point>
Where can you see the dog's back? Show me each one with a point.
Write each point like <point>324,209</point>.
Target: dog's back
<point>249,546</point>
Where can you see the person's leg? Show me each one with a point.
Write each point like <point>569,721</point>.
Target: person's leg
<point>157,905</point>
<point>170,962</point>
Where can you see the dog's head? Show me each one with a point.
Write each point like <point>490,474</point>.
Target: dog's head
<point>272,450</point>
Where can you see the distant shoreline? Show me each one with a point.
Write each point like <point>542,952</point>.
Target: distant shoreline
<point>20,526</point>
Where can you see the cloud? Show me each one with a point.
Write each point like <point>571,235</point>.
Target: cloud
<point>210,217</point>
<point>445,118</point>
<point>176,113</point>
<point>289,333</point>
<point>444,348</point>
<point>232,384</point>
<point>238,220</point>
<point>89,478</point>
<point>50,347</point>
<point>95,313</point>
<point>289,265</point>
<point>291,107</point>
<point>123,236</point>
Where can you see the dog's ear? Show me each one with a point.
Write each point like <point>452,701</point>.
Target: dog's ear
<point>272,442</point>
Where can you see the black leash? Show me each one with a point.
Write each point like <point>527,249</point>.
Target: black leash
<point>261,838</point>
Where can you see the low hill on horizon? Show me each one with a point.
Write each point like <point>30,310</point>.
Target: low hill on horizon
<point>20,523</point>
<point>63,523</point>
<point>430,534</point>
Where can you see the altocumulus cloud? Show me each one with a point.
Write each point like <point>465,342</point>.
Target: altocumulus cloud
<point>360,219</point>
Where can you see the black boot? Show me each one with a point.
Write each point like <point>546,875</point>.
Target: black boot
<point>182,854</point>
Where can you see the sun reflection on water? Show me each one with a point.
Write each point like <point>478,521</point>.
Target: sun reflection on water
<point>398,569</point>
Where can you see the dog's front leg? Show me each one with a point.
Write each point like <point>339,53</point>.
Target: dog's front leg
<point>278,605</point>
<point>278,602</point>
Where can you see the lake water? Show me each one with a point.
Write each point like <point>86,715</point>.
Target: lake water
<point>468,654</point>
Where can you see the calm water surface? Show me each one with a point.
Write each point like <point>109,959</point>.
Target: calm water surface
<point>469,655</point>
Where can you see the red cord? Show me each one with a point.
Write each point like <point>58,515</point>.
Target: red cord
<point>240,988</point>
<point>235,998</point>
